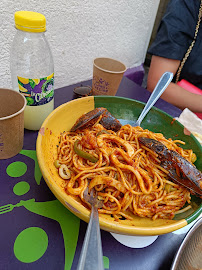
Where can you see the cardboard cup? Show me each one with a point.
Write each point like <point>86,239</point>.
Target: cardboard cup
<point>107,75</point>
<point>12,105</point>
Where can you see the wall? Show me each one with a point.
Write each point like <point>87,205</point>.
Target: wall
<point>80,30</point>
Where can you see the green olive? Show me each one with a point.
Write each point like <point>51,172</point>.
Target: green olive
<point>57,163</point>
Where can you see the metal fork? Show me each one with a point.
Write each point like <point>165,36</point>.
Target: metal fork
<point>91,256</point>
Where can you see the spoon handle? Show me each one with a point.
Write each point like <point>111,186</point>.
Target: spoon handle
<point>162,84</point>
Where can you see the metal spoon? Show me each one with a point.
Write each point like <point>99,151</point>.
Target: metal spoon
<point>161,86</point>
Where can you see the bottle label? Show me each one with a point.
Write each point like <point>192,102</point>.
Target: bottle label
<point>37,91</point>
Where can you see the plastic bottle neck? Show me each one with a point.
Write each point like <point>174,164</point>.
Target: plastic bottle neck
<point>32,34</point>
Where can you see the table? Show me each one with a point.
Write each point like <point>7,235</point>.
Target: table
<point>38,232</point>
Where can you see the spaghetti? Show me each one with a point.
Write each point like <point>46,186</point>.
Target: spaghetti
<point>127,176</point>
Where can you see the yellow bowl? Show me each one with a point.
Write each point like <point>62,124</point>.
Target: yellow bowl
<point>63,118</point>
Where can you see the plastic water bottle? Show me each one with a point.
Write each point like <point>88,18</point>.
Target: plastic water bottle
<point>32,68</point>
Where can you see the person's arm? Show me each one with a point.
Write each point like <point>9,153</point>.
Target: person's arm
<point>174,94</point>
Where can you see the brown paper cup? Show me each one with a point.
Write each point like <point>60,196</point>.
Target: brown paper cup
<point>107,75</point>
<point>12,105</point>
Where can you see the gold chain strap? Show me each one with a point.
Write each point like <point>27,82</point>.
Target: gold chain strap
<point>191,46</point>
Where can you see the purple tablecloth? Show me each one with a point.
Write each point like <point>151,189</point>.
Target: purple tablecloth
<point>37,232</point>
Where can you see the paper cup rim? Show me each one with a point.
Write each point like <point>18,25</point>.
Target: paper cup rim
<point>18,112</point>
<point>108,71</point>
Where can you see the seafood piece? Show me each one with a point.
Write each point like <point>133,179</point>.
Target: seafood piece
<point>108,121</point>
<point>179,169</point>
<point>101,141</point>
<point>101,115</point>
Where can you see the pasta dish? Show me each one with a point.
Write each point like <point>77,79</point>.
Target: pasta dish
<point>126,175</point>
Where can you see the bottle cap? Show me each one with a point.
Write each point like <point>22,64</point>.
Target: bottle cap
<point>30,21</point>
